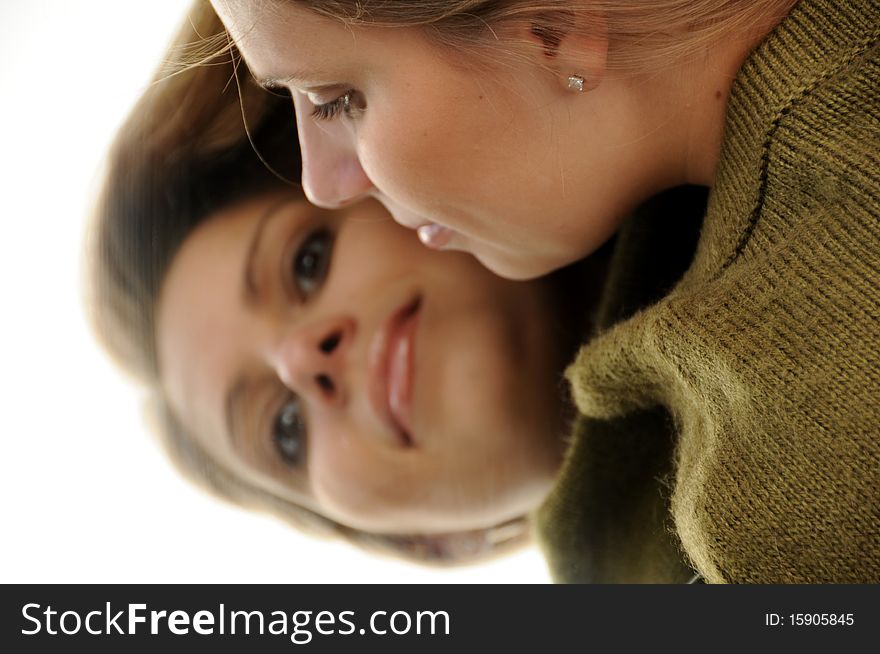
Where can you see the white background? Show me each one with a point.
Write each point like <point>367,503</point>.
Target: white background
<point>86,493</point>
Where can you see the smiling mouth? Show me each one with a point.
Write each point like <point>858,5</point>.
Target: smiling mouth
<point>391,359</point>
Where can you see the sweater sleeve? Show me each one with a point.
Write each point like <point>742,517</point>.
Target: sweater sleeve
<point>608,520</point>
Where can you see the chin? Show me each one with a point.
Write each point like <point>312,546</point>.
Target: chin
<point>516,268</point>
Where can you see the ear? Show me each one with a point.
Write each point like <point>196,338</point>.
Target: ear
<point>571,42</point>
<point>466,546</point>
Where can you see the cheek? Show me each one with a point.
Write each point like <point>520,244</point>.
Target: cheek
<point>414,149</point>
<point>352,482</point>
<point>375,252</point>
<point>502,373</point>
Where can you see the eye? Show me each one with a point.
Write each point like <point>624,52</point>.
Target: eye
<point>311,261</point>
<point>289,433</point>
<point>350,103</point>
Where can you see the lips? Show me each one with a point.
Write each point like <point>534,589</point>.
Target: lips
<point>435,236</point>
<point>390,361</point>
<point>431,234</point>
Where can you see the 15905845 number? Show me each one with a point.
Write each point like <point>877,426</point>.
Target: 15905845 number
<point>822,619</point>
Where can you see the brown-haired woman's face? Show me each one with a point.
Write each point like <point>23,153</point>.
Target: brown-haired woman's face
<point>330,359</point>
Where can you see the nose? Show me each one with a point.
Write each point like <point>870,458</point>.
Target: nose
<point>311,360</point>
<point>332,175</point>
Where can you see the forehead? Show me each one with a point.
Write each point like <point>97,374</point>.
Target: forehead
<point>287,43</point>
<point>196,321</point>
<point>275,32</point>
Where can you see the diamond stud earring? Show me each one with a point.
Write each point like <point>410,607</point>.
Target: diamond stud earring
<point>576,83</point>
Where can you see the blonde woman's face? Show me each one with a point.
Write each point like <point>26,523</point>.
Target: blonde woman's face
<point>493,156</point>
<point>328,358</point>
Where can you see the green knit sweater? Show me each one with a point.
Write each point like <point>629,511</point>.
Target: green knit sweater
<point>733,426</point>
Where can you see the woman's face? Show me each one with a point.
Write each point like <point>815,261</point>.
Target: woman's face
<point>328,358</point>
<point>494,154</point>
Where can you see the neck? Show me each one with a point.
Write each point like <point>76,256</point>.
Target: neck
<point>704,99</point>
<point>695,94</point>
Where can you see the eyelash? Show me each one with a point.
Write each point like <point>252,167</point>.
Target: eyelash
<point>305,273</point>
<point>291,452</point>
<point>341,105</point>
<point>304,270</point>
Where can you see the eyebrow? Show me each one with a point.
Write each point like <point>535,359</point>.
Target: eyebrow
<point>250,288</point>
<point>275,83</point>
<point>297,79</point>
<point>234,398</point>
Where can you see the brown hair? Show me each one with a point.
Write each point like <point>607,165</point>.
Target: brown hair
<point>182,155</point>
<point>642,33</point>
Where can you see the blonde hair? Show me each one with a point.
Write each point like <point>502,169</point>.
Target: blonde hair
<point>183,154</point>
<point>643,34</point>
